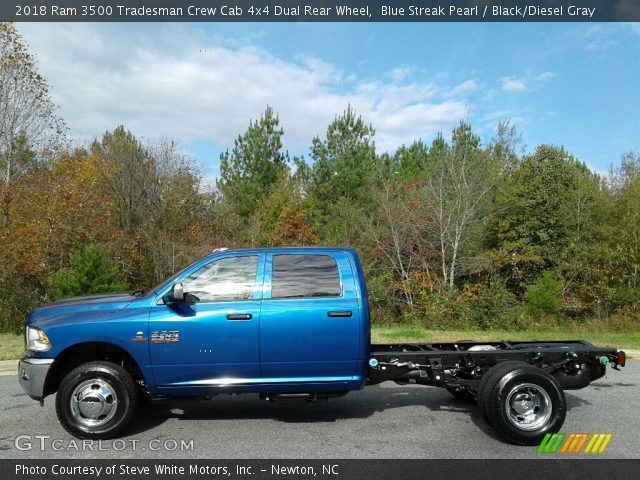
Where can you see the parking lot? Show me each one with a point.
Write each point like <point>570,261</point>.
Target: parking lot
<point>385,421</point>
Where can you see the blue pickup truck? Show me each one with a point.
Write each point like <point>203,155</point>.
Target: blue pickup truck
<point>285,323</point>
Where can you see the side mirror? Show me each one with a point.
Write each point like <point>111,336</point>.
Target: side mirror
<point>177,293</point>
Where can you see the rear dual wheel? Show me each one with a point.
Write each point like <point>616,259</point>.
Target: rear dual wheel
<point>521,402</point>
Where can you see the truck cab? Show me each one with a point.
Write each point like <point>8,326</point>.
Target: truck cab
<point>273,321</point>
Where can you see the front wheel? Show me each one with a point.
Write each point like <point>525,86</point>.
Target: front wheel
<point>96,400</point>
<point>524,405</point>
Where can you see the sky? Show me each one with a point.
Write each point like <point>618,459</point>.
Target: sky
<point>573,85</point>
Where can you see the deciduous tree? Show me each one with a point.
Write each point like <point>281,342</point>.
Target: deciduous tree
<point>458,186</point>
<point>30,129</point>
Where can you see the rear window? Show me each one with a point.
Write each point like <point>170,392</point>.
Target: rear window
<point>301,276</point>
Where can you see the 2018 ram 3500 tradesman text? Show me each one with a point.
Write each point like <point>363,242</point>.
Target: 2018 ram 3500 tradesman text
<point>283,323</point>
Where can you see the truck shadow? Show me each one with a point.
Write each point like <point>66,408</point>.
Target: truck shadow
<point>600,386</point>
<point>356,405</point>
<point>425,402</point>
<point>574,401</point>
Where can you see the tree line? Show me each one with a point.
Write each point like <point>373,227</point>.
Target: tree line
<point>453,233</point>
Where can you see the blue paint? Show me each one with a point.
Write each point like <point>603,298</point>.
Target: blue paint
<point>288,345</point>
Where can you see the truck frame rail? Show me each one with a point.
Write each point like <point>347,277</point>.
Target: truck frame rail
<point>574,363</point>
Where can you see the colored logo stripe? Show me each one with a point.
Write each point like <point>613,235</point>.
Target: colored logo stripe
<point>551,442</point>
<point>598,443</point>
<point>574,443</point>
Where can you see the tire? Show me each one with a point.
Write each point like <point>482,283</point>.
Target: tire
<point>96,400</point>
<point>464,396</point>
<point>524,404</point>
<point>489,380</point>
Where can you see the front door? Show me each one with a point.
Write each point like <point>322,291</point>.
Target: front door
<point>213,342</point>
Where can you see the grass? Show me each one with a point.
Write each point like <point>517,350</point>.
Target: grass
<point>11,346</point>
<point>405,334</point>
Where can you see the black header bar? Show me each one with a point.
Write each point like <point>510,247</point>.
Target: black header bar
<point>320,11</point>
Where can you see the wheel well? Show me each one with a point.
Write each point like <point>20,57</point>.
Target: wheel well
<point>81,353</point>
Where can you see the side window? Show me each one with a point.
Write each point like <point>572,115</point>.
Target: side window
<point>231,278</point>
<point>298,276</point>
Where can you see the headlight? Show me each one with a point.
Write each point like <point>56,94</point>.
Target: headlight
<point>37,341</point>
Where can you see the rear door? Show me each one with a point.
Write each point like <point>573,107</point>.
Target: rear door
<point>309,324</point>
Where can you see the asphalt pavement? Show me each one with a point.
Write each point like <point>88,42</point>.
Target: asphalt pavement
<point>384,421</point>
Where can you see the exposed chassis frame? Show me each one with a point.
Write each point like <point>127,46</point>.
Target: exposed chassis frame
<point>460,365</point>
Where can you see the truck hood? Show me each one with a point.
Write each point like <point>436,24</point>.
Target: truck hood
<point>93,299</point>
<point>83,308</point>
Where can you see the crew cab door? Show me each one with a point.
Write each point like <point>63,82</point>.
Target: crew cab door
<point>214,341</point>
<point>309,325</point>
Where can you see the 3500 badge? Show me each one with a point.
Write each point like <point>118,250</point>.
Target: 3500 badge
<point>165,336</point>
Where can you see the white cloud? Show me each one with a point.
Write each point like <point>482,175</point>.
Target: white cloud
<point>600,45</point>
<point>163,79</point>
<point>464,87</point>
<point>598,38</point>
<point>511,84</point>
<point>545,77</point>
<point>399,74</point>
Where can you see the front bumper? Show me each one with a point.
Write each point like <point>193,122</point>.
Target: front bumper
<point>32,373</point>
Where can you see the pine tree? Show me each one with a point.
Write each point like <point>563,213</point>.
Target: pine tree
<point>254,166</point>
<point>90,271</point>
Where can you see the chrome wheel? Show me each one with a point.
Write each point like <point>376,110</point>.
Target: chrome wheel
<point>528,406</point>
<point>93,403</point>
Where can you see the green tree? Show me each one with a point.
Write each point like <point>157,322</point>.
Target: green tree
<point>256,163</point>
<point>545,295</point>
<point>343,162</point>
<point>545,216</point>
<point>90,271</point>
<point>411,162</point>
<point>281,218</point>
<point>623,233</point>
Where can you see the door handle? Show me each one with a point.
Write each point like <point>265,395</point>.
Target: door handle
<point>339,313</point>
<point>239,316</point>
